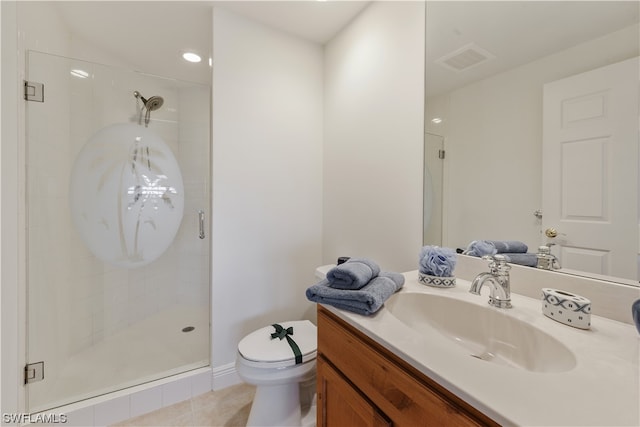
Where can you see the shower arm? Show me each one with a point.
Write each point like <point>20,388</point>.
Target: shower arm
<point>138,95</point>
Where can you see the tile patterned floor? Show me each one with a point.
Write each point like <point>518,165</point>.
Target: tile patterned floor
<point>228,407</point>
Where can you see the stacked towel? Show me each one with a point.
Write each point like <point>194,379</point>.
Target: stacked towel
<point>529,260</point>
<point>480,248</point>
<point>509,246</point>
<point>353,274</point>
<point>366,300</point>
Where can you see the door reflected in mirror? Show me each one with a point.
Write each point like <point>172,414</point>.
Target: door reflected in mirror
<point>491,120</point>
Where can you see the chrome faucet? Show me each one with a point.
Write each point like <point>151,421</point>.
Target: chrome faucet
<point>498,280</point>
<point>545,259</point>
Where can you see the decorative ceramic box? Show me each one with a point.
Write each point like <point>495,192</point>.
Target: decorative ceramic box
<point>435,281</point>
<point>564,307</point>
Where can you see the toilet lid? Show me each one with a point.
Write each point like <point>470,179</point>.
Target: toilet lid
<point>258,346</point>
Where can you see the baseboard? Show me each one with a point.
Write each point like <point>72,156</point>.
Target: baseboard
<point>225,376</point>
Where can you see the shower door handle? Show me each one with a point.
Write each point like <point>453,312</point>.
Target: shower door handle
<point>201,223</point>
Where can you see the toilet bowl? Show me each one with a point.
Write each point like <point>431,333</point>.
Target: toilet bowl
<point>285,390</point>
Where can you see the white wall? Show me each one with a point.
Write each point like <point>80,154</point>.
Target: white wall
<point>493,137</point>
<point>374,124</point>
<point>16,35</point>
<point>10,342</point>
<point>267,177</point>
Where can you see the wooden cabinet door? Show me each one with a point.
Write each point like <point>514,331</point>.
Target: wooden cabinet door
<point>339,404</point>
<point>352,367</point>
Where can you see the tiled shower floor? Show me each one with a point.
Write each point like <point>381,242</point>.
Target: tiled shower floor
<point>150,349</point>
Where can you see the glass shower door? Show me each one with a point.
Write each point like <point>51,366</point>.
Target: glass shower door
<point>432,189</point>
<point>101,319</point>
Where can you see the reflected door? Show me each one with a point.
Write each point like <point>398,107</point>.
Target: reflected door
<point>99,326</point>
<point>590,158</point>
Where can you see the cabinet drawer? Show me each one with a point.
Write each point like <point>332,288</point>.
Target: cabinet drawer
<point>405,395</point>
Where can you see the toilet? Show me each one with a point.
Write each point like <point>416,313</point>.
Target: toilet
<point>285,390</point>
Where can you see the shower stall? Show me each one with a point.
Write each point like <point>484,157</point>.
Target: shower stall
<point>433,179</point>
<point>117,229</point>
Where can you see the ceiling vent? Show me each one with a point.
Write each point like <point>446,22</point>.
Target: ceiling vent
<point>466,57</point>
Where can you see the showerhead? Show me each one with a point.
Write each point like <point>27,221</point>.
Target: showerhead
<point>151,104</point>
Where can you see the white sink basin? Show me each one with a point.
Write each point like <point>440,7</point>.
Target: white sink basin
<point>484,332</point>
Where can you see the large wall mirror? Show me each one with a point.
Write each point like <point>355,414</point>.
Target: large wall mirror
<point>491,69</point>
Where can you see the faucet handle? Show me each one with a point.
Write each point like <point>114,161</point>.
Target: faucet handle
<point>492,262</point>
<point>497,264</point>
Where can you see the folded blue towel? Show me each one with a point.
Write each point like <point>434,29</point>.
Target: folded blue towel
<point>529,260</point>
<point>480,248</point>
<point>353,274</point>
<point>366,300</point>
<point>509,246</point>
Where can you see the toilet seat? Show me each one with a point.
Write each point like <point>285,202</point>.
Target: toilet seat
<point>259,350</point>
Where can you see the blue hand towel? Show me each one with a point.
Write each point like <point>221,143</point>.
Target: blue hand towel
<point>529,260</point>
<point>480,248</point>
<point>366,300</point>
<point>509,246</point>
<point>353,274</point>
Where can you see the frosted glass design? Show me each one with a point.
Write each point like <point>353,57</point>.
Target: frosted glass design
<point>126,195</point>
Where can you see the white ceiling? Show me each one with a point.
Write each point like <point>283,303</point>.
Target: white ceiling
<point>516,32</point>
<point>151,35</point>
<point>317,21</point>
<point>147,36</point>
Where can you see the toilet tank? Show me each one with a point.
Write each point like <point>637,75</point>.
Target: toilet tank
<point>321,272</point>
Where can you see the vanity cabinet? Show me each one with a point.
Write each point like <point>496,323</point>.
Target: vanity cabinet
<point>361,383</point>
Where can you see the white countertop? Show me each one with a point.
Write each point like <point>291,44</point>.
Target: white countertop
<point>602,390</point>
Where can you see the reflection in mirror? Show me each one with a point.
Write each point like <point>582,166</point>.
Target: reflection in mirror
<point>487,67</point>
<point>432,200</point>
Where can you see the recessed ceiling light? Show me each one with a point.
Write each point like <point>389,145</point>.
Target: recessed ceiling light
<point>436,120</point>
<point>79,73</point>
<point>191,57</point>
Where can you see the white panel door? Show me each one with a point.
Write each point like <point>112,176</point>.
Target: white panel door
<point>590,169</point>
